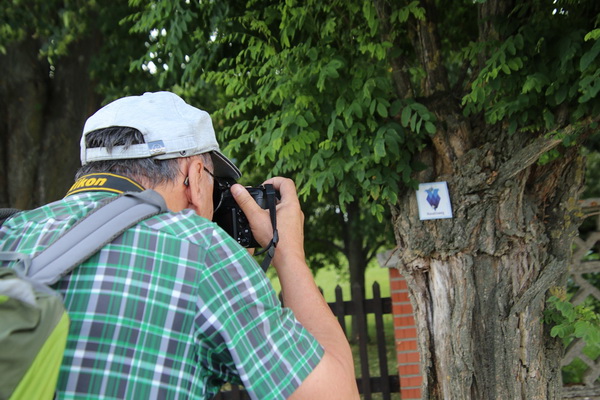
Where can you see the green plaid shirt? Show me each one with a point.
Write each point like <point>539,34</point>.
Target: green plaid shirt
<point>171,309</point>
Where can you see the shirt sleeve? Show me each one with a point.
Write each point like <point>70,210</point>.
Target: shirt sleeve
<point>244,334</point>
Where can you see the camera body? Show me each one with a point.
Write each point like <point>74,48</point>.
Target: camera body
<point>232,219</point>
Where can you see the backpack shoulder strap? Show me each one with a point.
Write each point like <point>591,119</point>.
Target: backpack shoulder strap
<point>98,228</point>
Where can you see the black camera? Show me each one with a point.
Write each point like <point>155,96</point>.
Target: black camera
<point>231,218</point>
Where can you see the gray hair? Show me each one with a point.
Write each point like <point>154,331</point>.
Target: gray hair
<point>152,171</point>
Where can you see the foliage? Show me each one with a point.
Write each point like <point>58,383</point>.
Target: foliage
<point>539,68</point>
<point>57,26</point>
<point>306,103</point>
<point>325,114</point>
<point>309,90</point>
<point>309,86</point>
<point>592,187</point>
<point>285,114</point>
<point>329,230</point>
<point>55,23</point>
<point>570,321</point>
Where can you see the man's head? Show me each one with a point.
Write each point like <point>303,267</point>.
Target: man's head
<point>158,140</point>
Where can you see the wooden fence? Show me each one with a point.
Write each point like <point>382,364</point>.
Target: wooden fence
<point>581,269</point>
<point>386,383</point>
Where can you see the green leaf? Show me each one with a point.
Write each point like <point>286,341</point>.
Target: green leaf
<point>561,331</point>
<point>413,123</point>
<point>301,121</point>
<point>382,110</point>
<point>395,107</point>
<point>406,113</point>
<point>566,309</point>
<point>592,35</point>
<point>430,128</point>
<point>561,94</point>
<point>590,56</point>
<point>379,149</point>
<point>316,161</point>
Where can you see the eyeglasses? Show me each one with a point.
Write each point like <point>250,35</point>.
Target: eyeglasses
<point>220,186</point>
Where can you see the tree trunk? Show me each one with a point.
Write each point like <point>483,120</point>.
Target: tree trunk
<point>357,259</point>
<point>43,111</point>
<point>353,245</point>
<point>23,94</point>
<point>478,281</point>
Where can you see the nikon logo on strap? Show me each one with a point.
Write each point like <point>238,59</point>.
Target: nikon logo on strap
<point>104,182</point>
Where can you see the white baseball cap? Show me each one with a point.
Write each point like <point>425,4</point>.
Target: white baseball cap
<point>171,128</point>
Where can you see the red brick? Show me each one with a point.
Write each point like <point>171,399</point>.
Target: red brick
<point>409,369</point>
<point>410,394</point>
<point>406,345</point>
<point>400,284</point>
<point>394,273</point>
<point>405,333</point>
<point>414,382</point>
<point>404,321</point>
<point>400,297</point>
<point>402,309</point>
<point>409,358</point>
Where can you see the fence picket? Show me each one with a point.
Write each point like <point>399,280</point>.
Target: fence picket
<point>361,319</point>
<point>381,343</point>
<point>338,309</point>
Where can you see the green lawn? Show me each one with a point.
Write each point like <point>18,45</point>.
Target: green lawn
<point>327,279</point>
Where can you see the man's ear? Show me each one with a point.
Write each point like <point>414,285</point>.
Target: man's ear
<point>195,172</point>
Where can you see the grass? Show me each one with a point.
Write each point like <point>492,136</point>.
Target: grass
<point>327,279</point>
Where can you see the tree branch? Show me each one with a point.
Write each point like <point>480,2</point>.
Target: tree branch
<point>428,48</point>
<point>373,252</point>
<point>548,277</point>
<point>524,158</point>
<point>328,243</point>
<point>399,69</point>
<point>532,152</point>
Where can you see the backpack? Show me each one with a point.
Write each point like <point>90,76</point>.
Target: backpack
<point>35,324</point>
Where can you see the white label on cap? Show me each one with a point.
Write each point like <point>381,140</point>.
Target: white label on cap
<point>157,147</point>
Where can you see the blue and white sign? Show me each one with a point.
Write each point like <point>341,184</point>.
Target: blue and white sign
<point>433,200</point>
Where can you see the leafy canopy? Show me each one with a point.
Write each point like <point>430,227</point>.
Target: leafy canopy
<point>311,86</point>
<point>311,92</point>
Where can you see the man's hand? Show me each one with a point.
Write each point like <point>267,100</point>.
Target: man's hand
<point>290,219</point>
<point>333,378</point>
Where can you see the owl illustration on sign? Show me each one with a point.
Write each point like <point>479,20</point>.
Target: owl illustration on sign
<point>433,198</point>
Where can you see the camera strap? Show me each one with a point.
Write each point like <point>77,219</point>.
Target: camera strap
<point>104,182</point>
<point>270,249</point>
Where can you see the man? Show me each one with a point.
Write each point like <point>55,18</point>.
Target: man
<point>174,307</point>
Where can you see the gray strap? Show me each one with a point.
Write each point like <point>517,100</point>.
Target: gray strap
<point>99,227</point>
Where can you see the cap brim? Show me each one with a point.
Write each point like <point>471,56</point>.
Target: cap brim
<point>223,167</point>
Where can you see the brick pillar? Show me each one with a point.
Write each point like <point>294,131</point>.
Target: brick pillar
<point>405,332</point>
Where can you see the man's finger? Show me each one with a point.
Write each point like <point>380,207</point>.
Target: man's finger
<point>243,198</point>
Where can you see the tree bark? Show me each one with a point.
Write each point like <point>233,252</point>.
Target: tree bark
<point>478,281</point>
<point>43,110</point>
